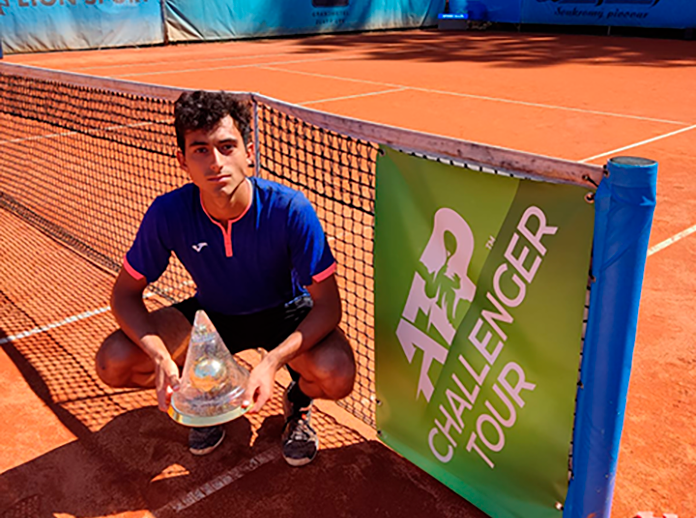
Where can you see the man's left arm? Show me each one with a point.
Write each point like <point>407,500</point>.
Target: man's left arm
<point>322,319</point>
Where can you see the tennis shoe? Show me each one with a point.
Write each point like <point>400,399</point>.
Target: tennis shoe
<point>205,439</point>
<point>299,440</point>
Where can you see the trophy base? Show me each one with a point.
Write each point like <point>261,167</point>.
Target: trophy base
<point>198,421</point>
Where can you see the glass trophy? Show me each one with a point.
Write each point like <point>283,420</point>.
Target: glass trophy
<point>212,385</point>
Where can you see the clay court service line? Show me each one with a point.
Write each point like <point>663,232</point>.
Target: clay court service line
<point>230,67</point>
<point>179,61</point>
<point>219,482</point>
<point>70,133</point>
<point>667,242</point>
<point>81,316</point>
<point>270,66</point>
<point>684,233</point>
<point>54,325</point>
<point>356,96</point>
<point>275,67</point>
<point>637,144</point>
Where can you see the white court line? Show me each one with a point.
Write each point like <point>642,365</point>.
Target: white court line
<point>230,67</point>
<point>473,96</point>
<point>219,482</point>
<point>191,60</point>
<point>684,233</point>
<point>275,66</point>
<point>637,144</point>
<point>667,242</point>
<point>75,318</point>
<point>48,327</point>
<point>69,133</point>
<point>356,96</point>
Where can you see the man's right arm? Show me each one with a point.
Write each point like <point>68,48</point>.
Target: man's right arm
<point>134,320</point>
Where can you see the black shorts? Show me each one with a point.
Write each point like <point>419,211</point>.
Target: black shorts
<point>266,329</point>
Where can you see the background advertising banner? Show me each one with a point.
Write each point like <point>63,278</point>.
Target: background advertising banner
<point>40,25</point>
<point>674,14</point>
<point>480,287</point>
<point>193,20</point>
<point>502,11</point>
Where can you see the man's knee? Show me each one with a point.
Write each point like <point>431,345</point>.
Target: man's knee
<point>335,369</point>
<point>342,383</point>
<point>115,360</point>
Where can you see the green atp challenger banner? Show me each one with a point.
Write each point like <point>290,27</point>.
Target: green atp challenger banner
<point>480,288</point>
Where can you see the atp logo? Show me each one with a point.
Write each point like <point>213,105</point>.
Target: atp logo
<point>439,288</point>
<point>4,3</point>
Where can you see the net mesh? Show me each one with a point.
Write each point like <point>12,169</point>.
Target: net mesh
<point>81,164</point>
<point>337,173</point>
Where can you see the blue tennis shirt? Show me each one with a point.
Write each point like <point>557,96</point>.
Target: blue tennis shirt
<point>261,260</point>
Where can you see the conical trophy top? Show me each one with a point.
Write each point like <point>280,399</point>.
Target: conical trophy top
<point>212,383</point>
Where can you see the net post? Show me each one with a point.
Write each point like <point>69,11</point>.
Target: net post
<point>624,206</point>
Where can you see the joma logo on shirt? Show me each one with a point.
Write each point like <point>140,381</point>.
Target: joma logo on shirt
<point>199,246</point>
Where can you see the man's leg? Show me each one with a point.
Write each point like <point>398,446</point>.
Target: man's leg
<point>327,371</point>
<point>122,363</point>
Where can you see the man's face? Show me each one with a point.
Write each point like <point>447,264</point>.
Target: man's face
<point>216,160</point>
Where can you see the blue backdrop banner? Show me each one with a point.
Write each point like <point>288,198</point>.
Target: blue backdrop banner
<point>194,20</point>
<point>502,11</point>
<point>674,14</point>
<point>40,25</point>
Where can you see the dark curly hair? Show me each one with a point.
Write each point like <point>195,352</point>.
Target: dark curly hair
<point>204,110</point>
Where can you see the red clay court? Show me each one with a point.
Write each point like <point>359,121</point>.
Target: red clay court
<point>71,449</point>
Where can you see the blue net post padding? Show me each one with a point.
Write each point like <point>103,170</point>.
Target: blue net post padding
<point>624,206</point>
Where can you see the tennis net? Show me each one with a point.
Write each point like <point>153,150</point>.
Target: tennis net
<point>81,159</point>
